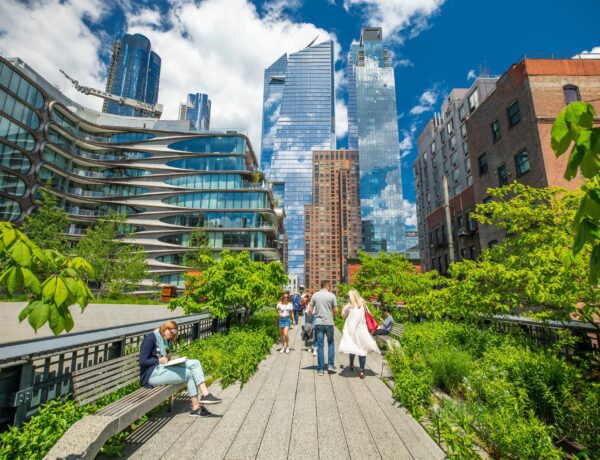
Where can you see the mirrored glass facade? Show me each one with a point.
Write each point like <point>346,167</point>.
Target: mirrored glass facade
<point>298,117</point>
<point>197,111</point>
<point>167,184</point>
<point>134,73</point>
<point>373,129</point>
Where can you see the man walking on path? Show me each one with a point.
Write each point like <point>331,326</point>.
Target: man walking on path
<point>324,306</point>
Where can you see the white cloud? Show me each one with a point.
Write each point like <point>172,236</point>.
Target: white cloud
<point>396,16</point>
<point>408,140</point>
<point>471,75</point>
<point>410,214</point>
<point>426,102</point>
<point>50,35</point>
<point>404,63</point>
<point>341,118</point>
<point>594,53</point>
<point>206,48</point>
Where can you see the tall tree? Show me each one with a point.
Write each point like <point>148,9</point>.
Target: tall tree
<point>118,266</point>
<point>233,281</point>
<point>47,225</point>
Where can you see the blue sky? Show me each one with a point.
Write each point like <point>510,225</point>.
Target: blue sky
<point>222,46</point>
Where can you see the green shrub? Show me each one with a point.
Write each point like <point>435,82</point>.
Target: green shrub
<point>449,367</point>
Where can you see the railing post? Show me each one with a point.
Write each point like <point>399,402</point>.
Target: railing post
<point>25,389</point>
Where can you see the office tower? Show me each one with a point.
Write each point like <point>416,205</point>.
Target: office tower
<point>373,129</point>
<point>197,110</point>
<point>298,117</point>
<point>443,150</point>
<point>134,72</point>
<point>168,183</point>
<point>332,229</point>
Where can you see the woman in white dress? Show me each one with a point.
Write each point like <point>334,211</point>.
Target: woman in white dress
<point>356,339</point>
<point>284,311</point>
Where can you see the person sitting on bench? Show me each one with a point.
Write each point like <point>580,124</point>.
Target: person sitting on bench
<point>387,324</point>
<point>154,371</point>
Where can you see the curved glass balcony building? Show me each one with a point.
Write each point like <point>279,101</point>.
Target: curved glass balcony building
<point>168,183</point>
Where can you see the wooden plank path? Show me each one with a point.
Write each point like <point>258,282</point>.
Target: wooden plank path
<point>287,411</point>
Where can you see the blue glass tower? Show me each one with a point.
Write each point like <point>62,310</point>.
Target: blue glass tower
<point>197,110</point>
<point>373,129</point>
<point>134,73</point>
<point>298,117</point>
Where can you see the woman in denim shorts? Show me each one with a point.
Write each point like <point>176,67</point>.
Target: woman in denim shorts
<point>284,310</point>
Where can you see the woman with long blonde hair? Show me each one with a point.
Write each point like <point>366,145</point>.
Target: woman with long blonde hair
<point>356,339</point>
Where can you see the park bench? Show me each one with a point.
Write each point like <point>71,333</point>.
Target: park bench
<point>393,338</point>
<point>85,438</point>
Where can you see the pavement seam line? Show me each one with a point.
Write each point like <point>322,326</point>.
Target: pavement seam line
<point>295,395</point>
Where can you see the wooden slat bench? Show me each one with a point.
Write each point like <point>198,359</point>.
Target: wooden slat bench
<point>393,338</point>
<point>85,438</point>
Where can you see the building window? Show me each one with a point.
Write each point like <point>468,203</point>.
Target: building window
<point>450,128</point>
<point>473,101</point>
<point>468,165</point>
<point>514,114</point>
<point>455,175</point>
<point>463,130</point>
<point>466,148</point>
<point>571,93</point>
<point>452,142</point>
<point>496,134</point>
<point>522,163</point>
<point>443,136</point>
<point>469,179</point>
<point>433,148</point>
<point>483,164</point>
<point>502,175</point>
<point>453,159</point>
<point>462,112</point>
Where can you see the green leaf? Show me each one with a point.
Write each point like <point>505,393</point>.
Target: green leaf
<point>30,306</point>
<point>590,163</point>
<point>31,282</point>
<point>49,289</point>
<point>582,236</point>
<point>575,159</point>
<point>38,316</point>
<point>7,279</point>
<point>62,292</point>
<point>9,236</point>
<point>21,254</point>
<point>561,138</point>
<point>580,115</point>
<point>56,321</point>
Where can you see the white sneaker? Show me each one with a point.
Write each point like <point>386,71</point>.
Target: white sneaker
<point>287,350</point>
<point>314,352</point>
<point>282,350</point>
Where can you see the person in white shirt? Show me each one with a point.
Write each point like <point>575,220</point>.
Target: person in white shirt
<point>356,339</point>
<point>284,310</point>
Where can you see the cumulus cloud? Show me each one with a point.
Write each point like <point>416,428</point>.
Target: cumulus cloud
<point>341,118</point>
<point>410,215</point>
<point>471,75</point>
<point>408,140</point>
<point>426,102</point>
<point>396,16</point>
<point>29,31</point>
<point>205,48</point>
<point>594,53</point>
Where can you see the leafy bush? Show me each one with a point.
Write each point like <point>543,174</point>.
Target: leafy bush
<point>516,398</point>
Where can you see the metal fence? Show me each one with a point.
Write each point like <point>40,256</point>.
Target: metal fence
<point>37,371</point>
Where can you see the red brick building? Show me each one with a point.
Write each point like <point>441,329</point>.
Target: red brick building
<point>332,231</point>
<point>509,133</point>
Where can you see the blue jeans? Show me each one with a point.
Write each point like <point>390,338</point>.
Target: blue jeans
<point>296,316</point>
<point>362,360</point>
<point>191,374</point>
<point>323,331</point>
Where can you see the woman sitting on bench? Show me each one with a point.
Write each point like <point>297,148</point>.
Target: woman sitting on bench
<point>153,372</point>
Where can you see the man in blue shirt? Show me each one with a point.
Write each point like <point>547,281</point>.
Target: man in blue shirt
<point>387,323</point>
<point>296,303</point>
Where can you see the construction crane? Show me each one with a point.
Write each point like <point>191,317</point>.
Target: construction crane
<point>155,110</point>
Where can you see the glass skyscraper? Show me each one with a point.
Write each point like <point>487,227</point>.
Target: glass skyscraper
<point>134,72</point>
<point>373,130</point>
<point>197,110</point>
<point>298,117</point>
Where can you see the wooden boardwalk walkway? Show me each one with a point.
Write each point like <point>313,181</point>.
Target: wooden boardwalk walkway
<point>287,411</point>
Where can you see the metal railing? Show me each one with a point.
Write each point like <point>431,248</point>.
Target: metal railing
<point>37,371</point>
